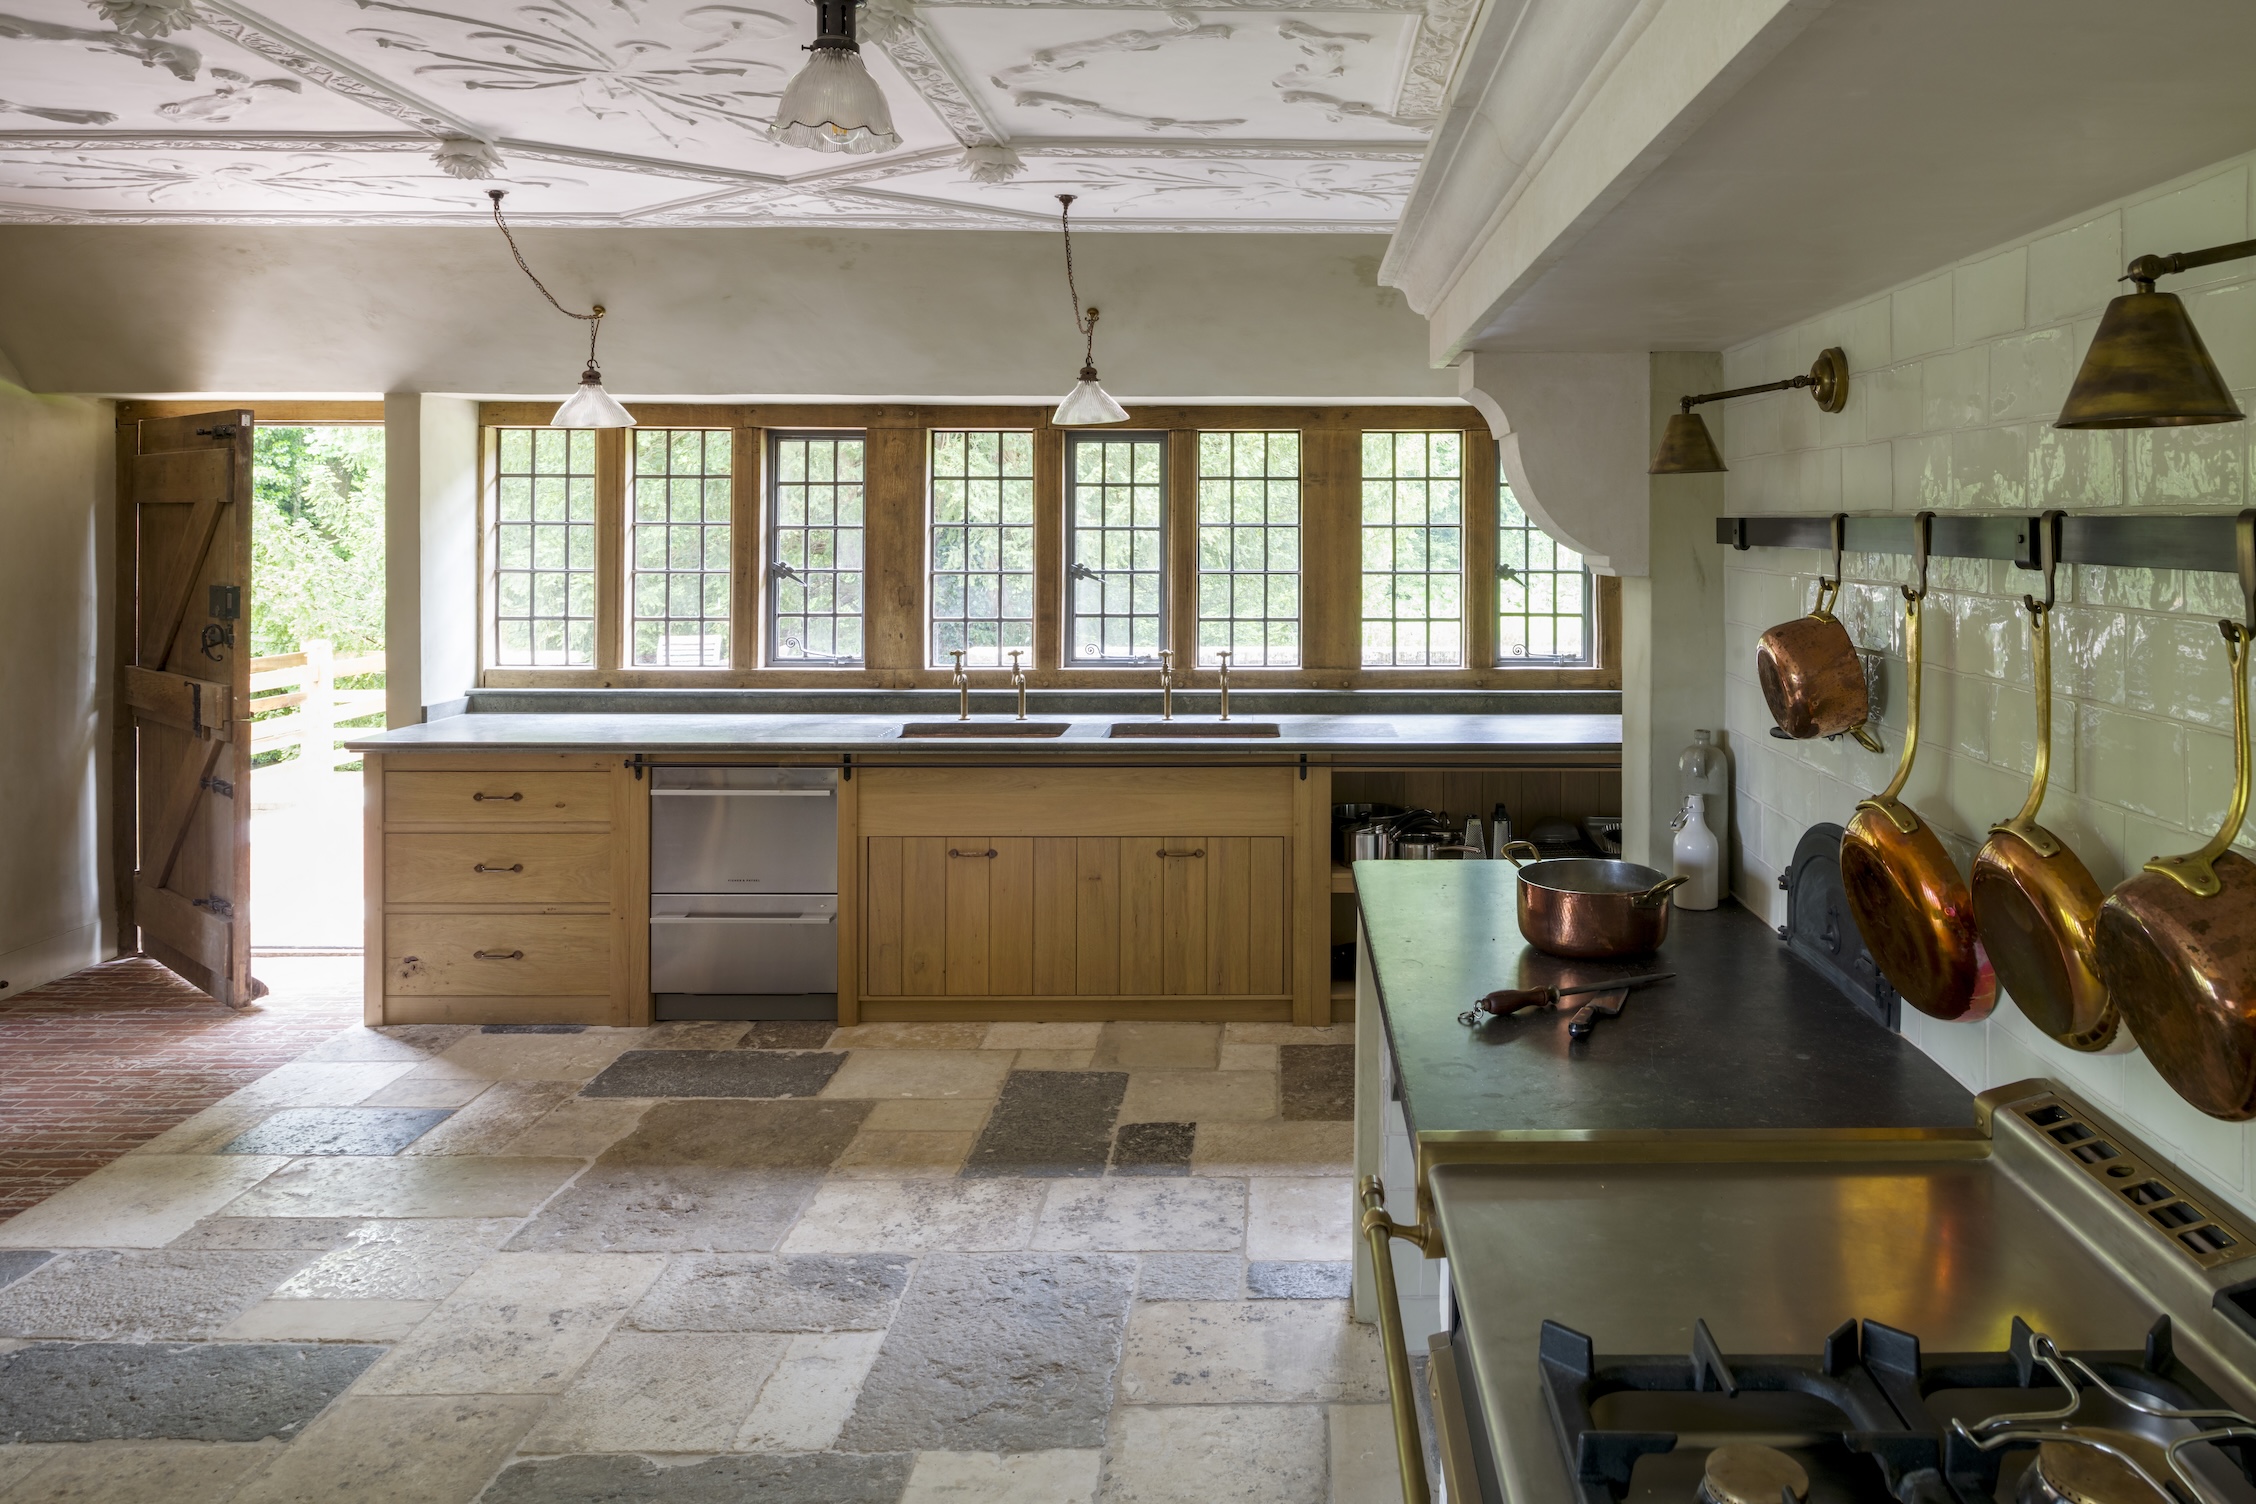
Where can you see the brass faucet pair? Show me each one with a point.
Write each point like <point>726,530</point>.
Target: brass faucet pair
<point>1167,682</point>
<point>962,677</point>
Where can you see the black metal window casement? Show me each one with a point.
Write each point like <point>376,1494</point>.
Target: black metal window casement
<point>1545,596</point>
<point>814,548</point>
<point>679,506</point>
<point>542,548</point>
<point>1249,548</point>
<point>1116,548</point>
<point>982,562</point>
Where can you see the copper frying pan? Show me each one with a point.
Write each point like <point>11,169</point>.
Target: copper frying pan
<point>1909,903</point>
<point>2177,942</point>
<point>1811,677</point>
<point>2036,904</point>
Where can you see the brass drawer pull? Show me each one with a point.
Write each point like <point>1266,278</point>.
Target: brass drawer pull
<point>989,854</point>
<point>1200,852</point>
<point>498,955</point>
<point>512,867</point>
<point>517,798</point>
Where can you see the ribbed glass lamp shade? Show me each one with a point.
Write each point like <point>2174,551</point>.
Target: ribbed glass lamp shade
<point>1087,405</point>
<point>2147,368</point>
<point>1686,448</point>
<point>591,407</point>
<point>834,105</point>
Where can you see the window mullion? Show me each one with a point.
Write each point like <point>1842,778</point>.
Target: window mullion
<point>1480,548</point>
<point>612,456</point>
<point>1182,543</point>
<point>748,546</point>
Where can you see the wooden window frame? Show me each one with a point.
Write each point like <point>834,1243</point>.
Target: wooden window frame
<point>896,629</point>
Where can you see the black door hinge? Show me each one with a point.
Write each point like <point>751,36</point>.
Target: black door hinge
<point>220,786</point>
<point>846,762</point>
<point>218,431</point>
<point>217,635</point>
<point>1304,767</point>
<point>636,764</point>
<point>219,906</point>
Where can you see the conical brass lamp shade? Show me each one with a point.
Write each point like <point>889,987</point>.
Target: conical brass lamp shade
<point>2147,368</point>
<point>1686,448</point>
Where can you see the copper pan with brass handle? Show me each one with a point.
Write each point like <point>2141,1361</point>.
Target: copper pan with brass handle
<point>1909,903</point>
<point>1811,677</point>
<point>2035,903</point>
<point>2177,941</point>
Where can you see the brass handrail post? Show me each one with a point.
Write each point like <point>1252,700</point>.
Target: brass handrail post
<point>1379,1232</point>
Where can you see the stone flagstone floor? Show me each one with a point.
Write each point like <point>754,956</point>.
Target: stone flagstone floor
<point>901,1264</point>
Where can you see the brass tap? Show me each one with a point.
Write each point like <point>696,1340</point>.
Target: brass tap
<point>963,686</point>
<point>1018,682</point>
<point>1223,669</point>
<point>1166,685</point>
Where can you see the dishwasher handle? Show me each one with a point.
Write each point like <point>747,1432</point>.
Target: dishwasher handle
<point>744,793</point>
<point>744,919</point>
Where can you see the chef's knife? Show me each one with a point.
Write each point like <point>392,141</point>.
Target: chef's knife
<point>1513,999</point>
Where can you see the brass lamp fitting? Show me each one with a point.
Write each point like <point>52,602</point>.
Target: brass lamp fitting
<point>2147,367</point>
<point>1688,449</point>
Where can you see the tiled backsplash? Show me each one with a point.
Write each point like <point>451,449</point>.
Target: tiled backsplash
<point>1955,380</point>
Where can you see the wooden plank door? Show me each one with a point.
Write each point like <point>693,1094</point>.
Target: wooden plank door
<point>186,686</point>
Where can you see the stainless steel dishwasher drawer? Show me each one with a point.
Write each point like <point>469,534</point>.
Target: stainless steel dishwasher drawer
<point>744,944</point>
<point>744,830</point>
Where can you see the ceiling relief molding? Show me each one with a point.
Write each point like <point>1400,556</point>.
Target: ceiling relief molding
<point>1050,62</point>
<point>233,95</point>
<point>1434,52</point>
<point>894,26</point>
<point>147,18</point>
<point>258,35</point>
<point>56,113</point>
<point>1324,58</point>
<point>176,58</point>
<point>1089,109</point>
<point>156,178</point>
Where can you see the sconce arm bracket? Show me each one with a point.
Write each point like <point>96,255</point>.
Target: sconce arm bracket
<point>2146,269</point>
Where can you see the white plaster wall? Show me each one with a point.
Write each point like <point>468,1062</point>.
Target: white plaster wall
<point>57,495</point>
<point>1956,378</point>
<point>943,315</point>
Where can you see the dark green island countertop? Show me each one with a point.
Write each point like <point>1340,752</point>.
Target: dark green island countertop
<point>1745,1038</point>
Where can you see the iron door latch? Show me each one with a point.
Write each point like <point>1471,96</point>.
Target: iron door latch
<point>219,907</point>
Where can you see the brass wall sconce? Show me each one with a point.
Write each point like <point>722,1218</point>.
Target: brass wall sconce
<point>2147,367</point>
<point>1688,449</point>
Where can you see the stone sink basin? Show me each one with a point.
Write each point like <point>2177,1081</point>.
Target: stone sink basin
<point>982,729</point>
<point>1199,729</point>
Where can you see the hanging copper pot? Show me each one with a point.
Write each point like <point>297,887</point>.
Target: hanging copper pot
<point>1909,903</point>
<point>2036,904</point>
<point>1811,676</point>
<point>2177,942</point>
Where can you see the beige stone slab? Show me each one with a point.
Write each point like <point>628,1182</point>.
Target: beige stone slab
<point>137,1472</point>
<point>523,1324</point>
<point>1287,1034</point>
<point>1199,1097</point>
<point>401,1259</point>
<point>1157,1214</point>
<point>1138,1046</point>
<point>207,1131</point>
<point>884,1155</point>
<point>328,1320</point>
<point>500,1113</point>
<point>1273,1148</point>
<point>1195,1454</point>
<point>139,1201</point>
<point>1247,1057</point>
<point>1012,1036</point>
<point>1227,1352</point>
<point>1053,1060</point>
<point>538,1057</point>
<point>919,1073</point>
<point>1301,1218</point>
<point>918,1216</point>
<point>320,1084</point>
<point>364,1044</point>
<point>693,1034</point>
<point>20,1461</point>
<point>909,1037</point>
<point>583,1126</point>
<point>1065,1477</point>
<point>442,1088</point>
<point>928,1115</point>
<point>805,1403</point>
<point>352,1186</point>
<point>387,1449</point>
<point>661,1392</point>
<point>1362,1452</point>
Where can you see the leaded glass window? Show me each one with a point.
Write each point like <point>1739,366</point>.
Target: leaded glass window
<point>1249,548</point>
<point>1543,591</point>
<point>1116,557</point>
<point>815,548</point>
<point>544,548</point>
<point>1413,550</point>
<point>982,545</point>
<point>679,591</point>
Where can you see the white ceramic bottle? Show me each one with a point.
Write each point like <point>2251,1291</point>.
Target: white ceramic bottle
<point>1698,856</point>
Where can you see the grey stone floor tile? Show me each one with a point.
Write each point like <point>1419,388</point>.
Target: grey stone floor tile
<point>1144,1046</point>
<point>440,1186</point>
<point>787,1034</point>
<point>15,1263</point>
<point>1196,1454</point>
<point>532,1028</point>
<point>1316,1082</point>
<point>669,1209</point>
<point>337,1130</point>
<point>1242,1352</point>
<point>1278,1280</point>
<point>919,1216</point>
<point>815,1478</point>
<point>1049,1123</point>
<point>143,1472</point>
<point>159,1293</point>
<point>661,1392</point>
<point>719,1292</point>
<point>523,1324</point>
<point>1153,1148</point>
<point>268,1234</point>
<point>1060,1477</point>
<point>221,1391</point>
<point>798,1136</point>
<point>716,1073</point>
<point>397,1449</point>
<point>412,1258</point>
<point>410,1042</point>
<point>1205,1214</point>
<point>1190,1276</point>
<point>702,1034</point>
<point>493,1118</point>
<point>997,1352</point>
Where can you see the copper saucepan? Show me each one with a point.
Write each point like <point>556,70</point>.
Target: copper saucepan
<point>1811,676</point>
<point>2035,903</point>
<point>1906,896</point>
<point>1588,908</point>
<point>2177,942</point>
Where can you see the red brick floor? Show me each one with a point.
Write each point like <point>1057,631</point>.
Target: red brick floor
<point>97,1063</point>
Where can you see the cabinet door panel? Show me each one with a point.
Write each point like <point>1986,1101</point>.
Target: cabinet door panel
<point>1143,942</point>
<point>969,868</point>
<point>1010,917</point>
<point>1183,863</point>
<point>1056,897</point>
<point>1229,893</point>
<point>883,922</point>
<point>1268,914</point>
<point>1097,909</point>
<point>924,916</point>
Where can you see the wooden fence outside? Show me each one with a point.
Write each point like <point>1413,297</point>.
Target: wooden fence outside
<point>307,685</point>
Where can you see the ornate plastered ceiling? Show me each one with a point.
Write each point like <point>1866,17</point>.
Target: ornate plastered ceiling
<point>1235,116</point>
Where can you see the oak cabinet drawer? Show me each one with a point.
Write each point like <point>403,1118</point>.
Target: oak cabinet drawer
<point>500,867</point>
<point>497,798</point>
<point>496,955</point>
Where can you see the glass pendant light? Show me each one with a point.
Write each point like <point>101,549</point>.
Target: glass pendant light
<point>1088,404</point>
<point>834,105</point>
<point>591,406</point>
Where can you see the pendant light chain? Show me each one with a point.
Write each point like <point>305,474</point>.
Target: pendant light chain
<point>1086,327</point>
<point>594,320</point>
